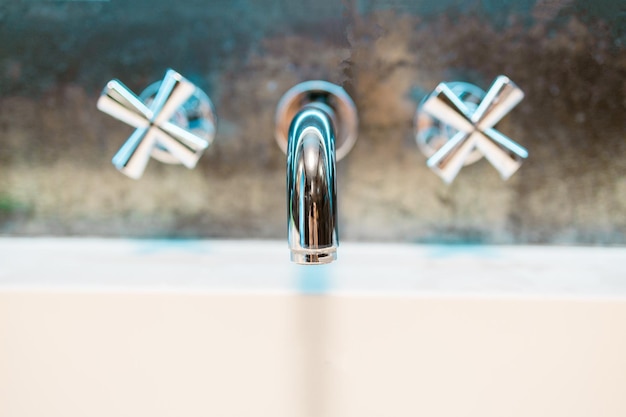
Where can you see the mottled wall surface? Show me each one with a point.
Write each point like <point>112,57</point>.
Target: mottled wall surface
<point>568,56</point>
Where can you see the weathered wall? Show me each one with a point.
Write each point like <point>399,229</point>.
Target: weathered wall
<point>569,57</point>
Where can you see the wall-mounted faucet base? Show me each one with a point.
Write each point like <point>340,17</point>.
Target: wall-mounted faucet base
<point>345,114</point>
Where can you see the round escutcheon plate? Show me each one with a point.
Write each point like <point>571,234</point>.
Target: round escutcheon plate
<point>345,117</point>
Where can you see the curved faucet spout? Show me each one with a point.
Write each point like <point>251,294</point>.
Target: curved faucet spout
<point>311,186</point>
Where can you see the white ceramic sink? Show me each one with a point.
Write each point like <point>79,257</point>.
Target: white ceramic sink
<point>229,328</point>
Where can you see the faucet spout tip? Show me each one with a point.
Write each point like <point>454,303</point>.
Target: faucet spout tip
<point>314,257</point>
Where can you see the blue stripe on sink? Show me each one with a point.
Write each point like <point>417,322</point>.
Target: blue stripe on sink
<point>313,280</point>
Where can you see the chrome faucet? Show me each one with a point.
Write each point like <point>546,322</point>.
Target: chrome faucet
<point>311,119</point>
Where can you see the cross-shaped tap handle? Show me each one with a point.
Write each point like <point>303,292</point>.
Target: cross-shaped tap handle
<point>466,124</point>
<point>174,122</point>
